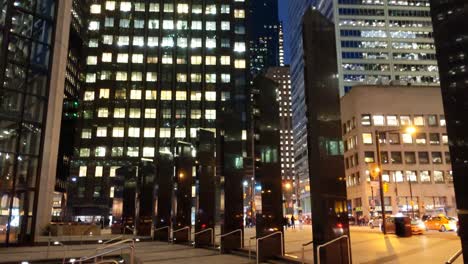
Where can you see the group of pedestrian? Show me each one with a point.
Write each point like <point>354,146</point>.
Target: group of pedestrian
<point>363,220</point>
<point>289,222</point>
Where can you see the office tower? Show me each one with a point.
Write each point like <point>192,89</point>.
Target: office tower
<point>450,34</point>
<point>281,44</point>
<point>72,90</point>
<point>416,167</point>
<point>34,38</point>
<point>280,75</point>
<point>383,42</point>
<point>263,31</point>
<point>296,10</point>
<point>156,73</point>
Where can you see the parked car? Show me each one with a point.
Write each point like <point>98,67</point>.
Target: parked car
<point>375,222</point>
<point>441,223</point>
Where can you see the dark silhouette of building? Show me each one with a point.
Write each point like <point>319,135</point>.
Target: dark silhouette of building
<point>450,25</point>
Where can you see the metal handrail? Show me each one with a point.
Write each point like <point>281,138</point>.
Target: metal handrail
<point>203,231</point>
<point>331,242</point>
<point>230,233</point>
<point>115,244</point>
<point>132,254</point>
<point>161,228</point>
<point>86,231</point>
<point>65,250</point>
<point>454,257</point>
<point>250,239</point>
<point>302,250</point>
<point>113,239</point>
<point>270,235</point>
<point>180,229</point>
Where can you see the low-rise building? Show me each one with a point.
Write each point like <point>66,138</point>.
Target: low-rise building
<point>416,167</point>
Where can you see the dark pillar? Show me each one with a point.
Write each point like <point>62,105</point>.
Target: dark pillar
<point>450,24</point>
<point>205,216</point>
<point>325,151</point>
<point>268,167</point>
<point>232,173</point>
<point>144,203</point>
<point>163,196</point>
<point>127,176</point>
<point>183,192</point>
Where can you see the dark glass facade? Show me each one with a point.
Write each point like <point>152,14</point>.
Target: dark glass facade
<point>263,28</point>
<point>156,73</point>
<point>450,25</point>
<point>26,37</point>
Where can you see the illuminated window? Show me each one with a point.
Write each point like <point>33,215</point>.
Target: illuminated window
<point>91,60</point>
<point>100,152</point>
<point>225,9</point>
<point>93,25</point>
<point>134,113</point>
<point>225,25</point>
<point>123,40</point>
<point>367,138</point>
<point>118,132</point>
<point>101,132</point>
<point>182,42</point>
<point>182,25</point>
<point>210,10</point>
<point>110,5</point>
<point>210,42</point>
<point>379,120</point>
<point>117,151</point>
<point>168,24</point>
<point>196,43</point>
<point>210,78</point>
<point>98,171</point>
<point>167,42</point>
<point>134,132</point>
<point>210,114</point>
<point>151,76</point>
<point>210,60</point>
<point>90,77</point>
<point>405,120</point>
<point>89,96</point>
<point>210,96</point>
<point>225,77</point>
<point>122,58</point>
<point>152,59</point>
<point>195,77</point>
<point>107,39</point>
<point>103,112</point>
<point>196,60</point>
<point>106,75</point>
<point>195,114</point>
<point>112,171</point>
<point>119,113</point>
<point>239,64</point>
<point>150,113</point>
<point>135,94</point>
<point>93,43</point>
<point>418,120</point>
<point>137,58</point>
<point>166,95</point>
<point>181,95</point>
<point>392,120</point>
<point>111,192</point>
<point>84,152</point>
<point>210,25</point>
<point>149,132</point>
<point>225,60</point>
<point>86,133</point>
<point>121,76</point>
<point>239,46</point>
<point>138,77</point>
<point>180,133</point>
<point>197,9</point>
<point>151,94</point>
<point>181,77</point>
<point>166,113</point>
<point>407,138</point>
<point>153,24</point>
<point>167,59</point>
<point>154,8</point>
<point>138,41</point>
<point>164,132</point>
<point>125,6</point>
<point>148,151</point>
<point>239,13</point>
<point>195,96</point>
<point>182,8</point>
<point>132,151</point>
<point>82,172</point>
<point>193,132</point>
<point>168,8</point>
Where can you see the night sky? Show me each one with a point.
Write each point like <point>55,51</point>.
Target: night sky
<point>283,16</point>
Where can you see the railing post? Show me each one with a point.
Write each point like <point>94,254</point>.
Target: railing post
<point>48,245</point>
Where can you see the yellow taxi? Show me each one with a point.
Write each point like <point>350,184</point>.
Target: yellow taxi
<point>440,222</point>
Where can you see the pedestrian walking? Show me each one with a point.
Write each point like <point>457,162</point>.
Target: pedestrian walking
<point>293,224</point>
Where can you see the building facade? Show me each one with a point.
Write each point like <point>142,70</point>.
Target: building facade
<point>280,75</point>
<point>416,168</point>
<point>156,73</point>
<point>383,41</point>
<point>31,52</point>
<point>263,30</point>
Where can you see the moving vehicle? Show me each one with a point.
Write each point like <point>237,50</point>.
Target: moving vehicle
<point>375,222</point>
<point>441,223</point>
<point>417,227</point>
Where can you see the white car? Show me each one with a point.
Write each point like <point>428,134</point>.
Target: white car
<point>375,222</point>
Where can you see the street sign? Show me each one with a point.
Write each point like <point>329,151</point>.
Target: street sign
<point>374,184</point>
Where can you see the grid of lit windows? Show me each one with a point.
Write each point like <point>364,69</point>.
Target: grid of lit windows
<point>156,73</point>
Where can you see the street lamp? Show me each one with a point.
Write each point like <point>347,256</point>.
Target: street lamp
<point>410,130</point>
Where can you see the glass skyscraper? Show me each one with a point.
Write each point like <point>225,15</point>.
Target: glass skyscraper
<point>157,72</point>
<point>383,42</point>
<point>28,103</point>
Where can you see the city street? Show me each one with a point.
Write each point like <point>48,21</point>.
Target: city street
<point>370,246</point>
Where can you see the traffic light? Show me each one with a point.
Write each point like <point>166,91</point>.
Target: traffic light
<point>385,187</point>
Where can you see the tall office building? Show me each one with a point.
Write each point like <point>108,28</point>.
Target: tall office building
<point>281,44</point>
<point>379,42</point>
<point>33,46</point>
<point>280,75</point>
<point>263,30</point>
<point>450,33</point>
<point>156,73</point>
<point>296,10</point>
